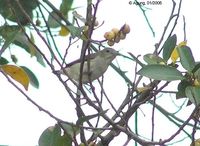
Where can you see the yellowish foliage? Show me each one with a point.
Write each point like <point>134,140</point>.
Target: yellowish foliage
<point>181,44</point>
<point>64,31</point>
<point>196,82</point>
<point>175,55</point>
<point>17,73</point>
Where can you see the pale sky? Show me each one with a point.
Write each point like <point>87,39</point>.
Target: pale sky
<point>22,123</point>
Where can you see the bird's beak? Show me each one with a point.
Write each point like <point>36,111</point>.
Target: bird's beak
<point>119,53</point>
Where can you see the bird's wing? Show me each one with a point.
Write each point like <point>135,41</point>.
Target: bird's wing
<point>91,56</point>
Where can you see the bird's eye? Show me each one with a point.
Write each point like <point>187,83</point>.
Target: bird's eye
<point>107,50</point>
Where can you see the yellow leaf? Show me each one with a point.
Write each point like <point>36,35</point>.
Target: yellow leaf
<point>17,73</point>
<point>64,31</point>
<point>196,82</point>
<point>181,44</point>
<point>175,55</point>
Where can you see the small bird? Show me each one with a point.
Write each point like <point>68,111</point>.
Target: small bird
<point>95,65</point>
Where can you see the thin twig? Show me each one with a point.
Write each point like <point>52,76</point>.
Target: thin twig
<point>146,18</point>
<point>153,119</point>
<point>184,29</point>
<point>32,101</point>
<point>49,31</point>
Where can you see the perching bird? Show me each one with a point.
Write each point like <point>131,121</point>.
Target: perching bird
<point>95,65</point>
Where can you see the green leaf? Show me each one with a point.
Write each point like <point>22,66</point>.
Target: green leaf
<point>7,43</point>
<point>26,48</point>
<point>40,58</point>
<point>33,79</point>
<point>13,34</point>
<point>3,61</point>
<point>54,20</point>
<point>197,66</point>
<point>52,137</point>
<point>75,31</point>
<point>71,129</point>
<point>186,58</point>
<point>65,7</point>
<point>65,140</point>
<point>181,89</point>
<point>153,59</point>
<point>169,46</point>
<point>9,33</point>
<point>7,30</point>
<point>193,93</point>
<point>161,72</point>
<point>7,6</point>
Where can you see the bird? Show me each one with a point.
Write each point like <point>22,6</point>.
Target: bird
<point>95,65</point>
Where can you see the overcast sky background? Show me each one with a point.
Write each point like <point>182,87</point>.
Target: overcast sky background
<point>22,123</point>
